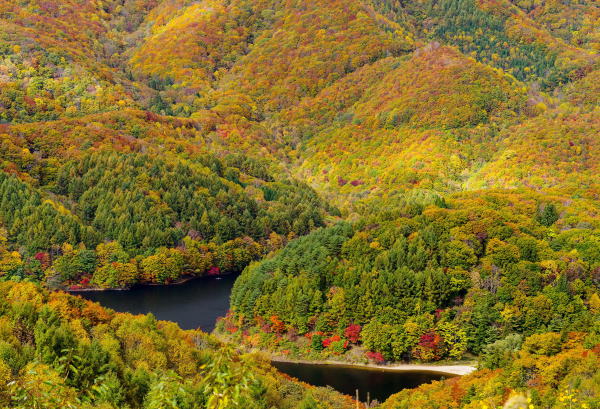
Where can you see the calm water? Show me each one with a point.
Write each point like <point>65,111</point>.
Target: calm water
<point>198,303</point>
<point>194,304</point>
<point>380,384</point>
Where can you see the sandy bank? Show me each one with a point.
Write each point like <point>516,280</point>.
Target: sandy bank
<point>450,369</point>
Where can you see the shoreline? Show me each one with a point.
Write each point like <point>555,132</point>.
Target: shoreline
<point>446,369</point>
<point>180,281</point>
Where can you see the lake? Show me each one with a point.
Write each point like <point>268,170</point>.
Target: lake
<point>194,304</point>
<point>199,302</point>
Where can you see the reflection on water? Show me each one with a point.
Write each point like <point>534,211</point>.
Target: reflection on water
<point>194,304</point>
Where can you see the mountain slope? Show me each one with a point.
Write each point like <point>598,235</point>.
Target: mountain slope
<point>144,141</point>
<point>557,150</point>
<point>428,116</point>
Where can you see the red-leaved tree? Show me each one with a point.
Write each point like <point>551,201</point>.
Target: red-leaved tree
<point>377,357</point>
<point>352,332</point>
<point>430,347</point>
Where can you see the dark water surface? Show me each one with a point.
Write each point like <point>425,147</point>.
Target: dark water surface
<point>199,302</point>
<point>378,383</point>
<point>194,304</point>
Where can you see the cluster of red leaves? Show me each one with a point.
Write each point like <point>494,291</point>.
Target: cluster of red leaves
<point>44,259</point>
<point>331,340</point>
<point>85,281</point>
<point>375,356</point>
<point>431,340</point>
<point>214,271</point>
<point>352,332</point>
<point>277,326</point>
<point>430,347</point>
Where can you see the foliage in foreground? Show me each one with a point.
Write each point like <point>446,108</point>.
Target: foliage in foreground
<point>57,350</point>
<point>549,371</point>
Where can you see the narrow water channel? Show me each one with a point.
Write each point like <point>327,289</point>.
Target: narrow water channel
<point>198,303</point>
<point>372,383</point>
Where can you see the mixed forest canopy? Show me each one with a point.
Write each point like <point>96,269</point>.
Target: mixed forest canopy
<point>394,180</point>
<point>158,219</point>
<point>59,351</point>
<point>425,282</point>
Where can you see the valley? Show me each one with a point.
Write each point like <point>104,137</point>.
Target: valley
<point>200,303</point>
<point>365,182</point>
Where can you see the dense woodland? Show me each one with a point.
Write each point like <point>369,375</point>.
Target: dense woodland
<point>396,181</point>
<point>59,351</point>
<point>426,281</point>
<point>113,220</point>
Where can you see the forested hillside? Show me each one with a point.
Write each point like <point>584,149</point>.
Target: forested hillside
<point>116,219</point>
<point>394,180</point>
<point>463,272</point>
<point>58,351</point>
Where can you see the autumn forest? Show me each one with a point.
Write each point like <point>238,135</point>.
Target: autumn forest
<point>392,182</point>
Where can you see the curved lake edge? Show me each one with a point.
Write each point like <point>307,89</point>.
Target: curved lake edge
<point>180,281</point>
<point>198,303</point>
<point>452,369</point>
<point>367,383</point>
<point>449,369</point>
<point>195,304</point>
